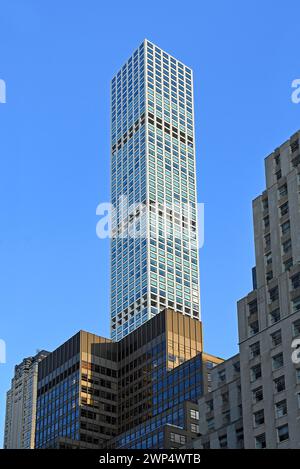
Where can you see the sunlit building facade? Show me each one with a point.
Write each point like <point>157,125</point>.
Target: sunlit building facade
<point>77,394</point>
<point>139,392</point>
<point>161,380</point>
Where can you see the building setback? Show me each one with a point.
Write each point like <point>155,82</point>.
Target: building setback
<point>154,255</point>
<point>20,418</point>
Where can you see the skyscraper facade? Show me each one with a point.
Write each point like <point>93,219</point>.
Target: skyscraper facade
<point>265,386</point>
<point>269,316</point>
<point>154,256</point>
<point>20,418</point>
<point>77,394</point>
<point>220,410</point>
<point>160,382</point>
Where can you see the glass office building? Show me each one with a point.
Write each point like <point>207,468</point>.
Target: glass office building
<point>154,256</point>
<point>77,394</point>
<point>139,392</point>
<point>160,383</point>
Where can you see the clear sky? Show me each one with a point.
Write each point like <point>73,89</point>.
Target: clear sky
<point>57,59</point>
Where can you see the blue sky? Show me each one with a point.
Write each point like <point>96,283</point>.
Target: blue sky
<point>57,59</point>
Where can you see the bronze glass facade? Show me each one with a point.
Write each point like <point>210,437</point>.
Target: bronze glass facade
<point>160,368</point>
<point>96,393</point>
<point>77,394</point>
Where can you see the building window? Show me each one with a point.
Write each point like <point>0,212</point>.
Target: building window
<point>296,304</point>
<point>253,328</point>
<point>288,264</point>
<point>275,316</point>
<point>281,408</point>
<point>255,372</point>
<point>260,441</point>
<point>296,328</point>
<point>176,438</point>
<point>283,433</point>
<point>277,361</point>
<point>258,394</point>
<point>237,367</point>
<point>284,209</point>
<point>295,281</point>
<point>266,222</point>
<point>210,405</point>
<point>265,204</point>
<point>268,258</point>
<point>269,275</point>
<point>209,382</point>
<point>194,428</point>
<point>283,190</point>
<point>259,418</point>
<point>223,441</point>
<point>222,376</point>
<point>226,417</point>
<point>287,246</point>
<point>194,414</point>
<point>268,242</point>
<point>276,338</point>
<point>279,384</point>
<point>274,294</point>
<point>210,365</point>
<point>225,398</point>
<point>239,432</point>
<point>210,424</point>
<point>255,350</point>
<point>294,146</point>
<point>285,227</point>
<point>252,307</point>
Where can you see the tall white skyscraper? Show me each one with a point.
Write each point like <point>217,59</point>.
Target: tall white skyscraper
<point>154,247</point>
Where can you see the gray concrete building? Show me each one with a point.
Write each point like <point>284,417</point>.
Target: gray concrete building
<point>259,406</point>
<point>7,424</point>
<point>208,363</point>
<point>269,316</point>
<point>220,410</point>
<point>20,418</point>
